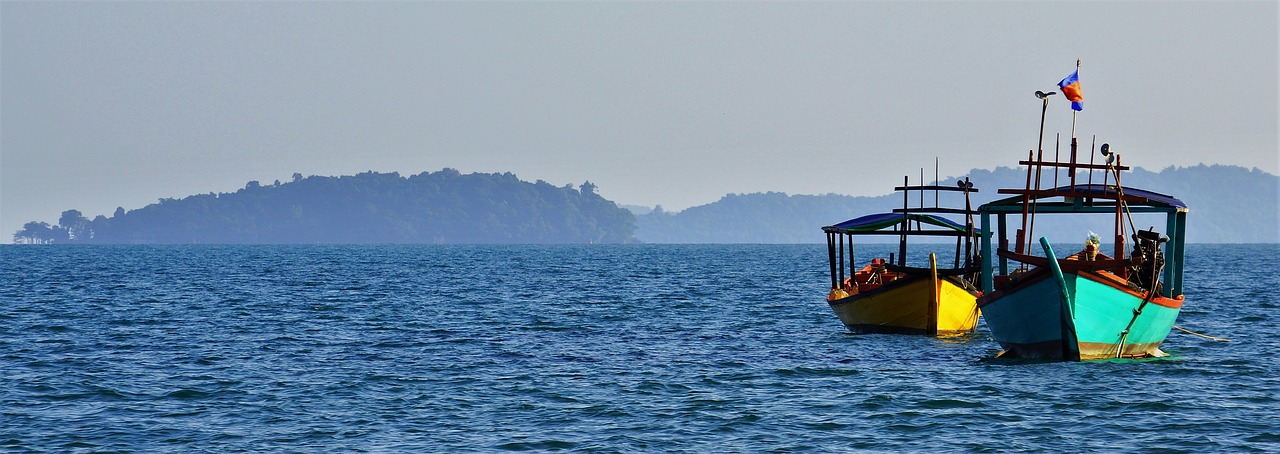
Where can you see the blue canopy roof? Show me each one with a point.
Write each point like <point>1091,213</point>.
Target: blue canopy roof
<point>881,221</point>
<point>1106,192</point>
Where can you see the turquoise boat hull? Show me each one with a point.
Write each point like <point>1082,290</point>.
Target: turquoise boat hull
<point>1094,318</point>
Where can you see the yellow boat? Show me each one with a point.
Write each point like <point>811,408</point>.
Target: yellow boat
<point>886,295</point>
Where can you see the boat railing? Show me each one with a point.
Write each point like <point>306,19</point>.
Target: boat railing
<point>1105,195</point>
<point>915,217</point>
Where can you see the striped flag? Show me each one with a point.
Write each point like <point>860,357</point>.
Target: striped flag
<point>1070,86</point>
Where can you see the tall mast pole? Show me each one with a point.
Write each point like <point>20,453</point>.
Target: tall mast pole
<point>1057,157</point>
<point>1072,167</point>
<point>906,222</point>
<point>1073,115</point>
<point>1027,198</point>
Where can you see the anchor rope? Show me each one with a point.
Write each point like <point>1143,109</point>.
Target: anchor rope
<point>1206,336</point>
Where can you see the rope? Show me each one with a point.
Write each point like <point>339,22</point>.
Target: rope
<point>1120,198</point>
<point>1219,339</point>
<point>1124,335</point>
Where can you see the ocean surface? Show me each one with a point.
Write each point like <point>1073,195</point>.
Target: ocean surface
<point>601,348</point>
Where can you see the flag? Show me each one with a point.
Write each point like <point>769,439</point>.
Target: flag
<point>1070,86</point>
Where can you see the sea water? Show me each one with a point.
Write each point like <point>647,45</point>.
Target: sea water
<point>602,348</point>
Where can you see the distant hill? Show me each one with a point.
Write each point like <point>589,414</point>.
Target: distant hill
<point>1228,204</point>
<point>439,207</point>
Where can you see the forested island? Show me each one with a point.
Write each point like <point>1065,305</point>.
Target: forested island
<point>436,207</point>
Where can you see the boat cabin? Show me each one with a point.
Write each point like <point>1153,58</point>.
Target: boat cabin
<point>904,223</point>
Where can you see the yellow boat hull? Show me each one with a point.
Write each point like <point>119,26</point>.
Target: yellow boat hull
<point>912,305</point>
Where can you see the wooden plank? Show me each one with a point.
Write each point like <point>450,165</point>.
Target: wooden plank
<point>1068,164</point>
<point>932,188</point>
<point>934,210</point>
<point>1067,265</point>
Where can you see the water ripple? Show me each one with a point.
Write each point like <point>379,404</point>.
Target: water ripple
<point>540,348</point>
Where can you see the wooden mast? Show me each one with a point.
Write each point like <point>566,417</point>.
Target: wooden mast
<point>902,237</point>
<point>1072,167</point>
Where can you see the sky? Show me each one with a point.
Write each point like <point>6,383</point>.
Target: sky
<point>119,104</point>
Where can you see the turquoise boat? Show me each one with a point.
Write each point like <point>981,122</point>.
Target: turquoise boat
<point>1084,305</point>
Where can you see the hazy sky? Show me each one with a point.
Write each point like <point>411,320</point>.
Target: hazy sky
<point>106,104</point>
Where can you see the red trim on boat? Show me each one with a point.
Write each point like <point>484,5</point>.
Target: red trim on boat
<point>1105,278</point>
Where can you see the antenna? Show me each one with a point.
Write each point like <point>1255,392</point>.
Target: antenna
<point>1057,153</point>
<point>1091,148</point>
<point>922,187</point>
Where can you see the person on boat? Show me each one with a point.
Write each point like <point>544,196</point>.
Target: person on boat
<point>1091,247</point>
